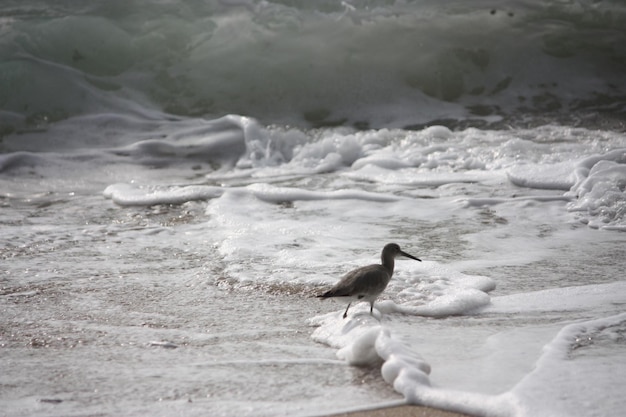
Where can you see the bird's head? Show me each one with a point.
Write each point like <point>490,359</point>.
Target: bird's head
<point>393,250</point>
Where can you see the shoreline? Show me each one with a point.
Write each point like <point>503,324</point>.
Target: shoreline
<point>399,411</point>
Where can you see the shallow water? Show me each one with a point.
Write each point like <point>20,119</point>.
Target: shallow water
<point>111,312</point>
<point>195,286</point>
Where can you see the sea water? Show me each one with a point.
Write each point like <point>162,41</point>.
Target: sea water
<point>178,182</point>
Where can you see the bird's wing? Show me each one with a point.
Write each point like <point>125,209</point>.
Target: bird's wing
<point>373,280</point>
<point>358,281</point>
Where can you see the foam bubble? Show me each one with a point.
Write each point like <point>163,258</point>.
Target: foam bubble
<point>363,341</point>
<point>596,184</point>
<point>559,176</point>
<point>435,290</point>
<point>452,303</point>
<point>361,350</point>
<point>601,191</point>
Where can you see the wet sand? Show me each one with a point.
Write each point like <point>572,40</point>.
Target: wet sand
<point>401,411</point>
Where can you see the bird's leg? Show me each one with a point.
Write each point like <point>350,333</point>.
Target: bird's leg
<point>371,308</point>
<point>346,313</point>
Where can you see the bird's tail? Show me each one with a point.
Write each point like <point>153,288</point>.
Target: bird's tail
<point>342,292</point>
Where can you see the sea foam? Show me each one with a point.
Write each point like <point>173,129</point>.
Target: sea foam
<point>365,340</point>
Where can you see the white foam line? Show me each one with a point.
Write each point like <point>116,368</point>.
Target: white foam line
<point>270,193</point>
<point>479,202</point>
<point>133,195</point>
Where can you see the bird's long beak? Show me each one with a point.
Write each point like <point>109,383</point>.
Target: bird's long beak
<point>409,256</point>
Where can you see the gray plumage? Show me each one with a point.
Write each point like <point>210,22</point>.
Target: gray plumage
<point>368,282</point>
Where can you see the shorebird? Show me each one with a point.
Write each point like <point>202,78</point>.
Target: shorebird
<point>368,282</point>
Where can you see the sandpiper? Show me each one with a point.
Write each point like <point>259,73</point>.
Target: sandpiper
<point>368,282</point>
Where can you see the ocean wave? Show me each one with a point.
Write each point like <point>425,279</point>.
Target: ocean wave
<point>373,64</point>
<point>583,168</point>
